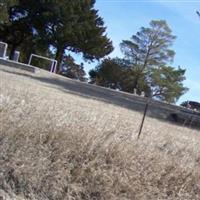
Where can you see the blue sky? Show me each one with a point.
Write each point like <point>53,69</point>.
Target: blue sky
<point>124,18</point>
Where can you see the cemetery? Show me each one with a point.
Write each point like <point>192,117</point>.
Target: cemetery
<point>4,56</point>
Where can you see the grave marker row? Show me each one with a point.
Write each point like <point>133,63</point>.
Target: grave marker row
<point>3,54</point>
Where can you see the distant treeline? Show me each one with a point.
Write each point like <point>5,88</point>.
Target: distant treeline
<point>54,28</point>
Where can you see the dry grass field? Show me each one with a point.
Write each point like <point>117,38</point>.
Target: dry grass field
<point>58,146</point>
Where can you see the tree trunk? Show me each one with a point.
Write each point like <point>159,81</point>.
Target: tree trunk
<point>58,57</point>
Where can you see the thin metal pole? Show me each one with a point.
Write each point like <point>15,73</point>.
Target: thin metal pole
<point>143,118</point>
<point>29,62</point>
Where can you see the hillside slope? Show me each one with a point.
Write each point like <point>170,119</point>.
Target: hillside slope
<point>156,109</point>
<point>57,145</point>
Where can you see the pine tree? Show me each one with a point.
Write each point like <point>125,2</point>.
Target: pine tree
<point>107,74</point>
<point>149,48</point>
<point>145,65</point>
<point>5,6</point>
<point>76,26</point>
<point>149,52</point>
<point>72,70</point>
<point>167,83</point>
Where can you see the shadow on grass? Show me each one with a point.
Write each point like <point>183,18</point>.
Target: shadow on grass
<point>164,113</point>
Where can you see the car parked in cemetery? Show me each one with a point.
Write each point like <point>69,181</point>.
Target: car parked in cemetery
<point>193,105</point>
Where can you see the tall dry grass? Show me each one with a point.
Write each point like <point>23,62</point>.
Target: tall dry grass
<point>54,146</point>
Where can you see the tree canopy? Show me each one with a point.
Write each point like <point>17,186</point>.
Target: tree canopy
<point>167,83</point>
<point>62,25</point>
<point>150,47</point>
<point>55,27</point>
<point>73,70</point>
<point>145,66</point>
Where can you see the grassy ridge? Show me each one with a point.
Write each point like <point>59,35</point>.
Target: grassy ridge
<point>55,145</point>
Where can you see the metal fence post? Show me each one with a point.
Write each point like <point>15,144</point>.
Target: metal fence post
<point>143,118</point>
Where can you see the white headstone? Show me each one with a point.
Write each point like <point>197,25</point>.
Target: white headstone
<point>16,56</point>
<point>3,49</point>
<point>143,94</point>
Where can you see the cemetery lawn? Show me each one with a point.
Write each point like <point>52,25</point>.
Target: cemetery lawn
<point>55,145</point>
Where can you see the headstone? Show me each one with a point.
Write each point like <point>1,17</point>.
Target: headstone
<point>3,49</point>
<point>16,56</point>
<point>142,94</point>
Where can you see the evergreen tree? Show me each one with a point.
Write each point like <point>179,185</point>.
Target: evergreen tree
<point>5,6</point>
<point>167,83</point>
<point>149,52</point>
<point>117,74</point>
<point>107,74</point>
<point>75,26</point>
<point>14,26</point>
<point>145,64</point>
<point>72,70</point>
<point>63,24</point>
<point>149,48</point>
